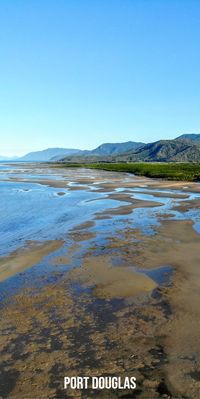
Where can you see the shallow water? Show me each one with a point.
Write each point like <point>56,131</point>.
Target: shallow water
<point>33,211</point>
<point>46,314</point>
<point>36,212</point>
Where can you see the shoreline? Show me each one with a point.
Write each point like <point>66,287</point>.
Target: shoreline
<point>114,297</point>
<point>158,170</point>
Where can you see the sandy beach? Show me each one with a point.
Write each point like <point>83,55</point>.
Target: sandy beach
<point>112,291</point>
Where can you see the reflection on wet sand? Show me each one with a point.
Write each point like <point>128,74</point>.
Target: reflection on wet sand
<point>19,260</point>
<point>115,294</point>
<point>109,281</point>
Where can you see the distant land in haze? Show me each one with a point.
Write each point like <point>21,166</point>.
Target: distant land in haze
<point>49,153</point>
<point>55,154</point>
<point>3,158</point>
<point>184,148</point>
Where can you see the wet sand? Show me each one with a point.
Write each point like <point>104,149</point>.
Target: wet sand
<point>187,206</point>
<point>109,281</point>
<point>161,194</point>
<point>178,244</point>
<point>125,209</point>
<point>110,300</point>
<point>20,260</point>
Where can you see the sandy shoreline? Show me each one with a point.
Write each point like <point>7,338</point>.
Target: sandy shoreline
<point>112,304</point>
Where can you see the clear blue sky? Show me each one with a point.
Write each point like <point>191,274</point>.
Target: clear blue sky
<point>76,73</point>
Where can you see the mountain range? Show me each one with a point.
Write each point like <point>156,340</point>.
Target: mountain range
<point>184,148</point>
<point>48,154</point>
<point>179,150</point>
<point>192,137</point>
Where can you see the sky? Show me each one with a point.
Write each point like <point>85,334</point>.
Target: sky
<point>77,73</point>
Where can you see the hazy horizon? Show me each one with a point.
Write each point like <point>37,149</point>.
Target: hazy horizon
<point>77,74</point>
<point>67,147</point>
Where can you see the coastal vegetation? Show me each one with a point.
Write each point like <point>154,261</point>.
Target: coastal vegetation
<point>172,171</point>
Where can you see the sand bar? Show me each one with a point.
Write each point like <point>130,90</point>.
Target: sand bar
<point>24,258</point>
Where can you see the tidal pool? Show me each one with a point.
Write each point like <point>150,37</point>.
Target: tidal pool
<point>99,276</point>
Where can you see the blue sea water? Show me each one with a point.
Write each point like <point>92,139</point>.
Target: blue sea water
<point>34,211</point>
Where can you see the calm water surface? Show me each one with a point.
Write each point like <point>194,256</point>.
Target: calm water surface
<point>34,211</point>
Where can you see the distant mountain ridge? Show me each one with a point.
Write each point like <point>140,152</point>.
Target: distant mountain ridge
<point>105,150</point>
<point>116,148</point>
<point>165,151</point>
<point>184,148</point>
<point>48,154</point>
<point>55,154</point>
<point>192,137</point>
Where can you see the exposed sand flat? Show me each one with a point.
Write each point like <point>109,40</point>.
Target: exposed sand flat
<point>165,215</point>
<point>135,202</point>
<point>104,217</point>
<point>183,332</point>
<point>106,187</point>
<point>187,205</point>
<point>101,318</point>
<point>105,181</point>
<point>125,209</point>
<point>177,244</point>
<point>26,257</point>
<point>120,210</point>
<point>174,185</point>
<point>85,225</point>
<point>81,235</point>
<point>144,182</point>
<point>50,183</point>
<point>110,281</point>
<point>140,334</point>
<point>163,194</point>
<point>76,188</point>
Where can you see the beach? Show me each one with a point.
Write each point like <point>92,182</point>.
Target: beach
<point>99,275</point>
